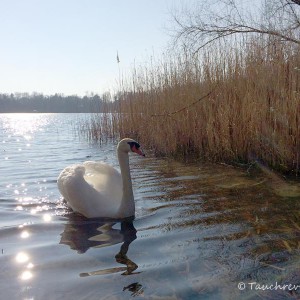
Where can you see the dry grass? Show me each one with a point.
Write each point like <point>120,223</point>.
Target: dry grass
<point>251,113</point>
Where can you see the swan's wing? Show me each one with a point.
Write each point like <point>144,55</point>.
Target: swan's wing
<point>93,189</point>
<point>105,179</point>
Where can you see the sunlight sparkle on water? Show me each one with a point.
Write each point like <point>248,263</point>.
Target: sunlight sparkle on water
<point>22,257</point>
<point>26,275</point>
<point>47,217</point>
<point>27,137</point>
<point>25,199</point>
<point>25,234</point>
<point>24,124</point>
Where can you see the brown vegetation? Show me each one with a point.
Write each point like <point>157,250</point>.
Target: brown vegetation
<point>230,106</point>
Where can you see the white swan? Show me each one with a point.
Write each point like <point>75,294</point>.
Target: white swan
<point>96,189</point>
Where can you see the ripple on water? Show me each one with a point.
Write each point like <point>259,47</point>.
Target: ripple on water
<point>199,229</point>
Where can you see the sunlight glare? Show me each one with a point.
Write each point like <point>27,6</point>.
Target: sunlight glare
<point>25,234</point>
<point>22,257</point>
<point>27,137</point>
<point>26,275</point>
<point>47,217</point>
<point>30,266</point>
<point>24,124</point>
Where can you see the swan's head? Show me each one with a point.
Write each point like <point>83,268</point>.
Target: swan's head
<point>129,145</point>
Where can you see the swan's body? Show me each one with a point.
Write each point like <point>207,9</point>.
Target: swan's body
<point>96,189</point>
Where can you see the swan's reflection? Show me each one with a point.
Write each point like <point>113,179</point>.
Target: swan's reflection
<point>80,234</point>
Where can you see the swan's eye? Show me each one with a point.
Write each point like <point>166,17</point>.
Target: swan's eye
<point>134,144</point>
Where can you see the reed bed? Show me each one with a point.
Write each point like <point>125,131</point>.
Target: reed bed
<point>241,105</point>
<point>101,126</point>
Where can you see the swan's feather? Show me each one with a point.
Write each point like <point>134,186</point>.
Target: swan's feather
<point>93,188</point>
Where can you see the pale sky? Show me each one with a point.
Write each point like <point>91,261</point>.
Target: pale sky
<point>70,46</point>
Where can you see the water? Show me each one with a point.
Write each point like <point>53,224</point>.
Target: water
<point>199,230</point>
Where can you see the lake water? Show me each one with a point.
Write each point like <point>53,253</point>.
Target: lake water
<point>201,231</point>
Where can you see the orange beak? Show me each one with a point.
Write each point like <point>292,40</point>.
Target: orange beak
<point>138,151</point>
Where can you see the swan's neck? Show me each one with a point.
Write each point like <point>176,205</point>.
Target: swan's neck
<point>127,207</point>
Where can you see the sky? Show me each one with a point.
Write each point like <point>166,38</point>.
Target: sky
<point>71,46</point>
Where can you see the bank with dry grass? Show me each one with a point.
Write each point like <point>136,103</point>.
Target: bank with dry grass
<point>229,106</point>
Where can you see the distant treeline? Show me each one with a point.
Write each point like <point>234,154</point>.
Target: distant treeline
<point>58,103</point>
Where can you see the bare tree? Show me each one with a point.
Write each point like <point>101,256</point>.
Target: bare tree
<point>222,19</point>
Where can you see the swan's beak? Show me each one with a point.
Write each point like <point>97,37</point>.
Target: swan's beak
<point>138,151</point>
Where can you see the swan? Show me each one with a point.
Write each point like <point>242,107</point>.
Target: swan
<point>96,189</point>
